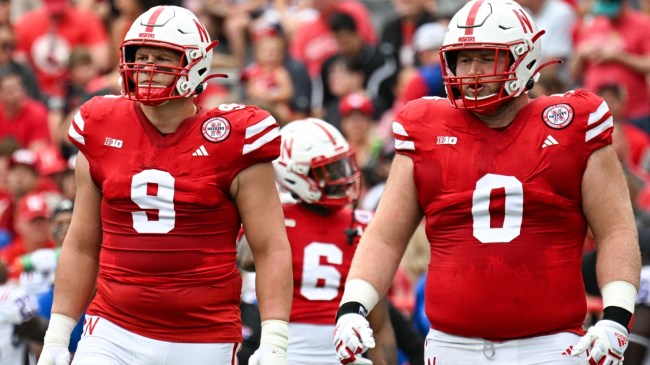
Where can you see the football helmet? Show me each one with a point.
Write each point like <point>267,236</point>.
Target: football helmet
<point>169,27</point>
<point>316,164</point>
<point>504,27</point>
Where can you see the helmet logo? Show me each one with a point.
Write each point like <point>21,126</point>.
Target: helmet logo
<point>558,116</point>
<point>216,129</point>
<point>523,19</point>
<point>147,35</point>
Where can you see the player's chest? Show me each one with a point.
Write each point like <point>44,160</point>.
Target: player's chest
<point>458,162</point>
<point>191,167</point>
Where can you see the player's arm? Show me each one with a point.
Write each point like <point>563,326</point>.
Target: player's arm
<point>383,243</point>
<point>607,207</point>
<point>261,213</point>
<point>77,268</point>
<point>376,259</point>
<point>385,350</point>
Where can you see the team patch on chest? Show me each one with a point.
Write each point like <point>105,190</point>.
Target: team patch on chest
<point>558,116</point>
<point>216,129</point>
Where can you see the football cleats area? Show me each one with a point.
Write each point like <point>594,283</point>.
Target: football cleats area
<point>605,343</point>
<point>316,164</point>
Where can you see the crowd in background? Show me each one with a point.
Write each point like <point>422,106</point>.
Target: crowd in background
<point>352,63</point>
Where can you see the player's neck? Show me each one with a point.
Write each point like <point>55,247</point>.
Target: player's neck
<point>505,114</point>
<point>168,116</point>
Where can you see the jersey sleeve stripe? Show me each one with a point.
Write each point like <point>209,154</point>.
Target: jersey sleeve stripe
<point>404,145</point>
<point>72,132</point>
<point>258,127</point>
<point>399,129</point>
<point>79,121</point>
<point>598,114</point>
<point>595,131</point>
<point>266,138</point>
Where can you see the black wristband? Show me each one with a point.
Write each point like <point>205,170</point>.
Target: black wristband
<point>618,315</point>
<point>351,307</point>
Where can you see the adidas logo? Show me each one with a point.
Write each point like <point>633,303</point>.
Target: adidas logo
<point>549,141</point>
<point>201,151</point>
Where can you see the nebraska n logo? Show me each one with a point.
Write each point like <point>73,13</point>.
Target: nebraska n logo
<point>523,19</point>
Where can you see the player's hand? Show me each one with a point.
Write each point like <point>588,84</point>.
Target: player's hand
<point>605,343</point>
<point>267,355</point>
<point>273,344</point>
<point>54,355</point>
<point>56,341</point>
<point>353,337</point>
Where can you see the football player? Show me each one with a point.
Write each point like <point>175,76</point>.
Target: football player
<point>163,187</point>
<point>317,167</point>
<point>19,322</point>
<point>507,187</point>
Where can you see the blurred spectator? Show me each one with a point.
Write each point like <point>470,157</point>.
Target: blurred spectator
<point>631,143</point>
<point>32,230</point>
<point>59,223</point>
<point>5,12</point>
<point>398,34</point>
<point>613,46</point>
<point>46,37</point>
<point>549,83</point>
<point>79,87</point>
<point>357,125</point>
<point>7,147</point>
<point>57,174</point>
<point>379,69</point>
<point>22,117</point>
<point>267,82</point>
<point>9,65</point>
<point>313,42</point>
<point>427,81</point>
<point>557,18</point>
<point>23,176</point>
<point>18,321</point>
<point>343,77</point>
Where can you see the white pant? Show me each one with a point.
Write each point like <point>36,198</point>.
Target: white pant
<point>444,349</point>
<point>311,344</point>
<point>105,343</point>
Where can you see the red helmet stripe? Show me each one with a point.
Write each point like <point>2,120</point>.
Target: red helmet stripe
<point>523,19</point>
<point>202,32</point>
<point>153,18</point>
<point>471,17</point>
<point>329,135</point>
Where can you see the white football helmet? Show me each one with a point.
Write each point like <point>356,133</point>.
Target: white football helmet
<point>316,164</point>
<point>499,25</point>
<point>175,28</point>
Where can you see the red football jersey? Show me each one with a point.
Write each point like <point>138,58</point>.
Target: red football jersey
<point>167,264</point>
<point>321,259</point>
<point>503,212</point>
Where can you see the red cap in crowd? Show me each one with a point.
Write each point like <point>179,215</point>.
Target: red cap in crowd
<point>56,6</point>
<point>49,160</point>
<point>32,206</point>
<point>356,101</point>
<point>24,157</point>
